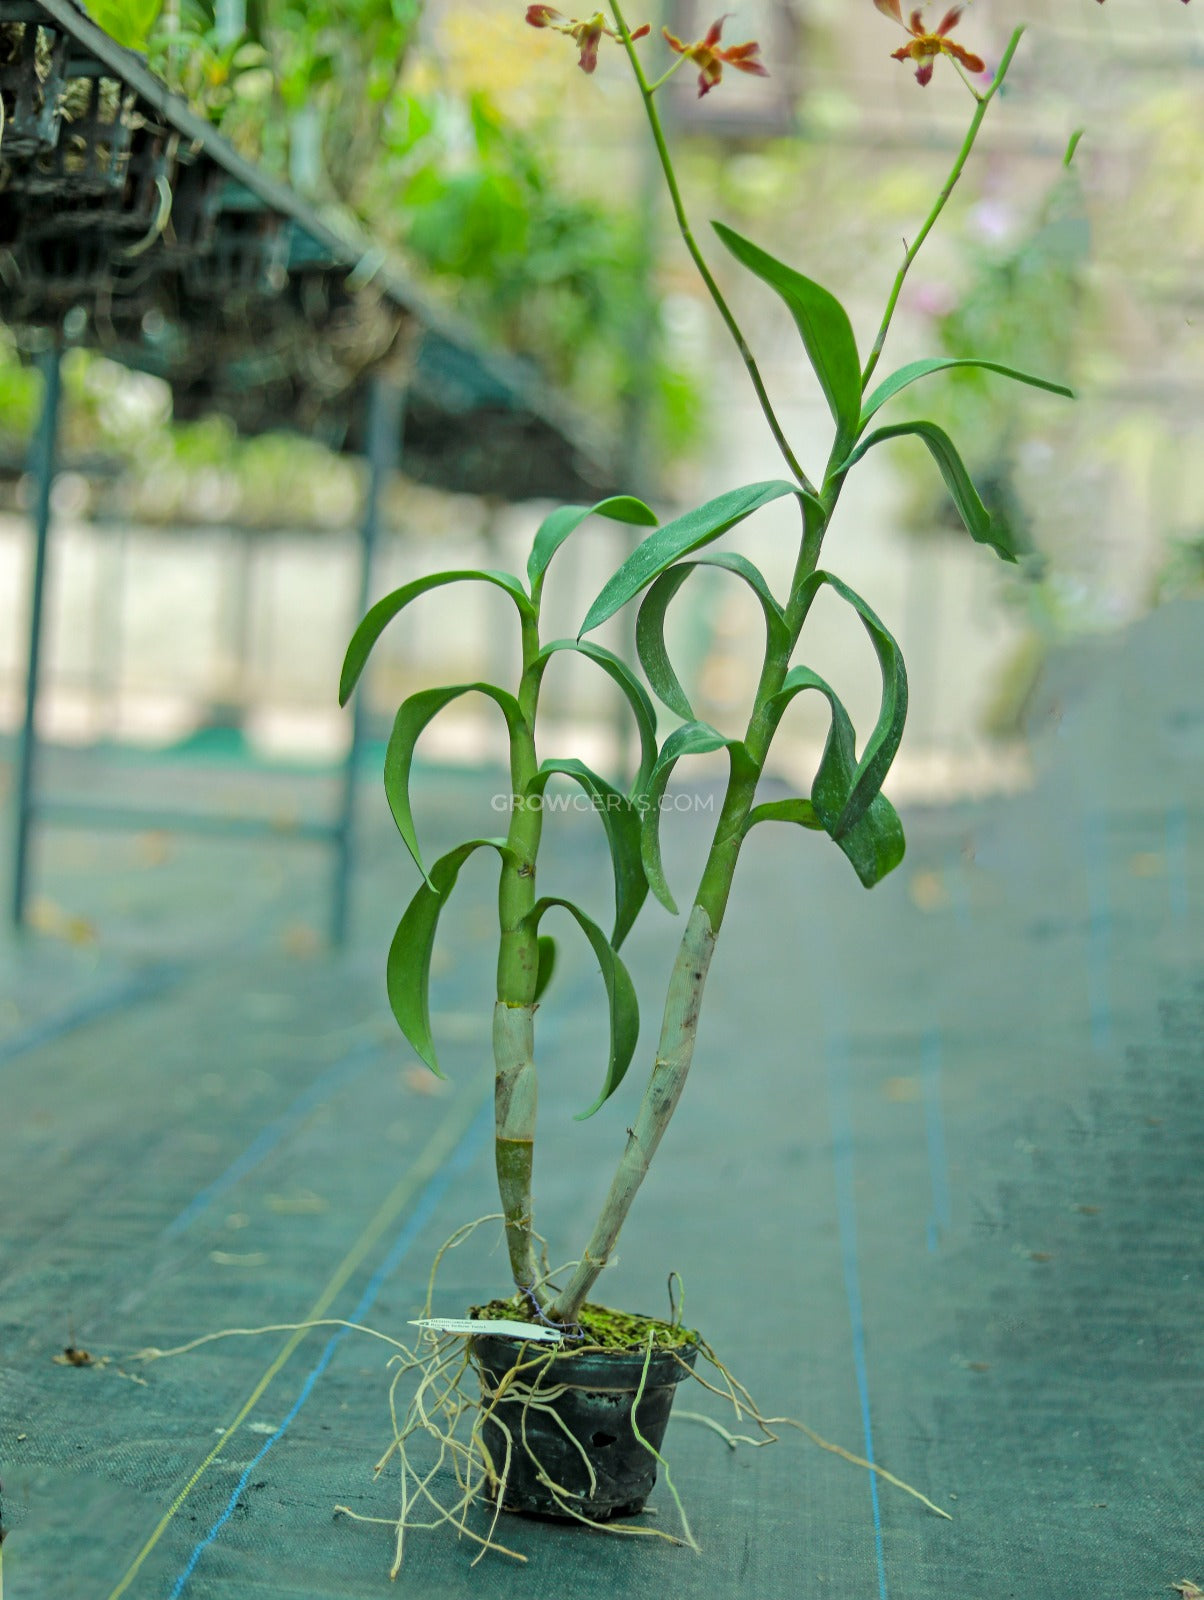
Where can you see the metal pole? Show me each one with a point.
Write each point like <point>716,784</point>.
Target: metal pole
<point>382,446</point>
<point>42,467</point>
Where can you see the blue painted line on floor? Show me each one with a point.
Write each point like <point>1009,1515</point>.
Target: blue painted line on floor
<point>1176,860</point>
<point>118,996</point>
<point>934,1128</point>
<point>457,1164</point>
<point>335,1077</point>
<point>1099,934</point>
<point>837,1057</point>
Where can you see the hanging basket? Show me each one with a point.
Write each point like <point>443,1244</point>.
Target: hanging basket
<point>32,72</point>
<point>135,213</point>
<point>91,156</point>
<point>247,257</point>
<point>143,199</point>
<point>54,272</point>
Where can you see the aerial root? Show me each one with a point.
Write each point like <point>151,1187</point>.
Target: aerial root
<point>448,1471</point>
<point>742,1404</point>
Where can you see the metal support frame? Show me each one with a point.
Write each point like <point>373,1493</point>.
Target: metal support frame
<point>385,403</point>
<point>42,467</point>
<point>382,440</point>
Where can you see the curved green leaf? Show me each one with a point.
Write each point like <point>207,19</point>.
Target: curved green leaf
<point>636,695</point>
<point>622,823</point>
<point>408,973</point>
<point>565,520</point>
<point>411,719</point>
<point>650,623</point>
<point>883,743</point>
<point>801,812</point>
<point>694,738</point>
<point>921,369</point>
<point>382,613</point>
<point>824,324</point>
<point>650,640</point>
<point>957,480</point>
<point>620,993</point>
<point>677,538</point>
<point>876,846</point>
<point>874,843</point>
<point>547,965</point>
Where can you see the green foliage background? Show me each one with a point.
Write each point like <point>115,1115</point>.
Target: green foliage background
<point>439,175</point>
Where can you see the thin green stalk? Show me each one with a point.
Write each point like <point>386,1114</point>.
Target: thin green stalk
<point>942,199</point>
<point>647,91</point>
<point>667,74</point>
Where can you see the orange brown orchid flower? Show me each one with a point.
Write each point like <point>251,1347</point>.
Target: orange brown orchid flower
<point>710,59</point>
<point>586,35</point>
<point>926,45</point>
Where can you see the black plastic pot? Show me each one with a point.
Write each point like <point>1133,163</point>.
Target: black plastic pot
<point>592,1396</point>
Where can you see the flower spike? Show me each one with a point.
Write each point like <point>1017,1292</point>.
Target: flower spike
<point>710,59</point>
<point>925,45</point>
<point>586,35</point>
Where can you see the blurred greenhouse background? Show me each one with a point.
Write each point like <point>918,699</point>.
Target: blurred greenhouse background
<point>388,284</point>
<point>202,581</point>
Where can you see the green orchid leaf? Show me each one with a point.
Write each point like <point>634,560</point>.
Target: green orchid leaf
<point>874,842</point>
<point>876,845</point>
<point>650,640</point>
<point>409,967</point>
<point>883,743</point>
<point>672,540</point>
<point>382,613</point>
<point>412,717</point>
<point>547,965</point>
<point>921,369</point>
<point>692,739</point>
<point>824,324</point>
<point>633,690</point>
<point>621,821</point>
<point>620,994</point>
<point>565,520</point>
<point>800,812</point>
<point>650,623</point>
<point>966,498</point>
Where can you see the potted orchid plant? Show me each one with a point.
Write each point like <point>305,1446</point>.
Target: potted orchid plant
<point>550,1363</point>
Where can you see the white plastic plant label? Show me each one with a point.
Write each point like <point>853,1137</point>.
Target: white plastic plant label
<point>467,1325</point>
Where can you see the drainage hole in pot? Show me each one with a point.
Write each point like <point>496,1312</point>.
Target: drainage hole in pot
<point>602,1439</point>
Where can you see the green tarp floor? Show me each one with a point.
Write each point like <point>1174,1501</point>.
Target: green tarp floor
<point>934,1189</point>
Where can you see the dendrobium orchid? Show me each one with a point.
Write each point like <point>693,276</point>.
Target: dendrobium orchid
<point>710,59</point>
<point>586,35</point>
<point>846,803</point>
<point>926,45</point>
